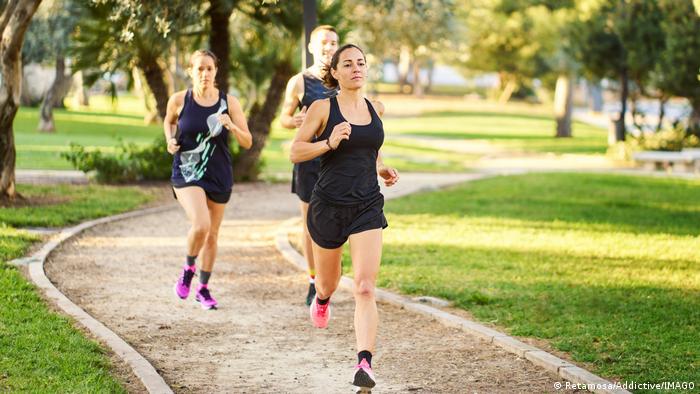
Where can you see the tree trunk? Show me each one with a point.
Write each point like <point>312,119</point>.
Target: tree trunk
<point>143,95</point>
<point>636,114</point>
<point>694,121</point>
<point>54,95</point>
<point>169,78</point>
<point>509,85</point>
<point>431,72</point>
<point>403,67</point>
<point>179,77</point>
<point>245,166</point>
<point>596,96</point>
<point>620,128</point>
<point>563,105</point>
<point>662,112</point>
<point>25,97</point>
<point>82,96</point>
<point>14,21</point>
<point>417,85</point>
<point>220,40</point>
<point>156,82</point>
<point>62,91</point>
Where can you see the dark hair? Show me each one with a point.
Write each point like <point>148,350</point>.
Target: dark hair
<point>204,52</point>
<point>322,28</point>
<point>328,80</point>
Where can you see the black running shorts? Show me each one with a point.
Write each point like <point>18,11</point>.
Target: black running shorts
<point>304,178</point>
<point>331,225</point>
<point>219,198</point>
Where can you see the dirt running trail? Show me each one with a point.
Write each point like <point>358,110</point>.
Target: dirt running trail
<point>261,340</point>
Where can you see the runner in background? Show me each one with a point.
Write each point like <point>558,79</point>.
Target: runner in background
<point>197,125</point>
<point>302,90</point>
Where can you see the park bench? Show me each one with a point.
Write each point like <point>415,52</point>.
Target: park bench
<point>687,160</point>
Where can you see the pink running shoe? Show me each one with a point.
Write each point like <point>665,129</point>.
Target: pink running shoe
<point>320,314</point>
<point>182,286</point>
<point>364,377</point>
<point>204,297</point>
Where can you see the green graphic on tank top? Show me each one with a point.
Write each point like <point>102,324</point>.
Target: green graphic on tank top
<point>194,162</point>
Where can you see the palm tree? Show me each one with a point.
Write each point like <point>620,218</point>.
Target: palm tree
<point>111,39</point>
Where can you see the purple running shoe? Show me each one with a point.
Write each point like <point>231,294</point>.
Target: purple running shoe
<point>183,284</point>
<point>204,297</point>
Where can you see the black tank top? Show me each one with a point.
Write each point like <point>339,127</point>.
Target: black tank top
<point>314,90</point>
<point>213,170</point>
<point>349,174</point>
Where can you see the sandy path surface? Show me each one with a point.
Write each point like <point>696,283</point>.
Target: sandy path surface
<point>261,339</point>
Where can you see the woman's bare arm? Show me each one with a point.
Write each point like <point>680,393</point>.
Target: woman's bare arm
<point>302,147</point>
<point>239,128</point>
<point>175,102</point>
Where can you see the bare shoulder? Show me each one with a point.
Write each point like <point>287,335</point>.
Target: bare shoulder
<point>296,82</point>
<point>317,115</point>
<point>321,107</point>
<point>232,101</point>
<point>293,93</point>
<point>175,104</point>
<point>378,106</point>
<point>178,98</point>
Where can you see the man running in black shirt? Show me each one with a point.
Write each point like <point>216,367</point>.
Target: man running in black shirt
<point>302,90</point>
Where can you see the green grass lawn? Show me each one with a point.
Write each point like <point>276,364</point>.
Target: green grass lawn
<point>41,351</point>
<point>75,204</point>
<point>514,131</point>
<point>102,131</point>
<point>95,130</point>
<point>604,267</point>
<point>513,127</point>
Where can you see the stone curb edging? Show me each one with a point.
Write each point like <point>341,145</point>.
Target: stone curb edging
<point>562,368</point>
<point>148,375</point>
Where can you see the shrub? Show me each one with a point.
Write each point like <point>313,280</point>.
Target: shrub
<point>672,139</point>
<point>130,163</point>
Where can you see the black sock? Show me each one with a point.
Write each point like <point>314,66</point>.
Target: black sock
<point>191,260</point>
<point>366,355</point>
<point>323,302</point>
<point>204,277</point>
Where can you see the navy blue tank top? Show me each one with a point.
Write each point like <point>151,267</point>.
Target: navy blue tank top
<point>314,90</point>
<point>202,160</point>
<point>349,173</point>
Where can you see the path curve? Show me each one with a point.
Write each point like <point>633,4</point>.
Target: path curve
<point>146,373</point>
<point>260,340</point>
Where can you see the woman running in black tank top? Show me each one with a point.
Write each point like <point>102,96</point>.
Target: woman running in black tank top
<point>346,202</point>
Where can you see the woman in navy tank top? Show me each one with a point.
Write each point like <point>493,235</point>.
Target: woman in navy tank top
<point>302,90</point>
<point>197,127</point>
<point>346,202</point>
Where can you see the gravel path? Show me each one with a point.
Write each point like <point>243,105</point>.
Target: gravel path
<point>260,339</point>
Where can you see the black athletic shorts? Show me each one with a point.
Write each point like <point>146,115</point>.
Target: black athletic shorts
<point>219,198</point>
<point>331,225</point>
<point>304,178</point>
